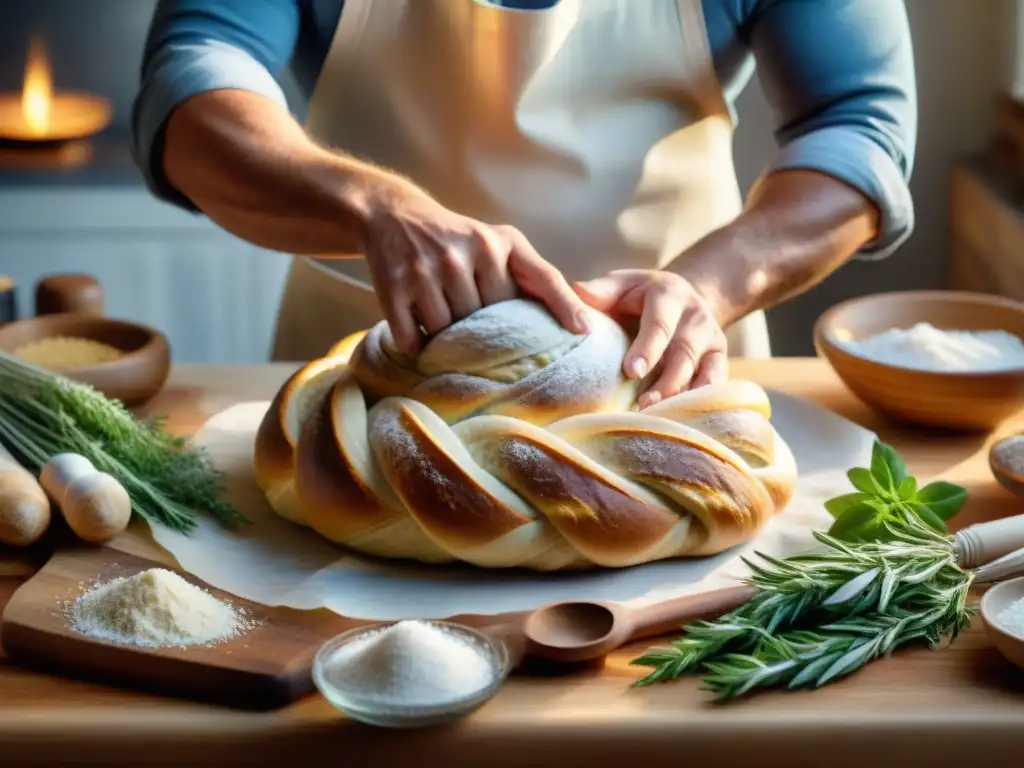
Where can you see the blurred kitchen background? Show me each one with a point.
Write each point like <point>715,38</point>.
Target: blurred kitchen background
<point>216,297</point>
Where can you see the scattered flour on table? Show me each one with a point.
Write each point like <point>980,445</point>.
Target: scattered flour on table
<point>156,608</point>
<point>925,347</point>
<point>1010,452</point>
<point>411,663</point>
<point>1012,617</point>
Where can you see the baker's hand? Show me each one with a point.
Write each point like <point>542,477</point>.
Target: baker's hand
<point>678,329</point>
<point>431,267</point>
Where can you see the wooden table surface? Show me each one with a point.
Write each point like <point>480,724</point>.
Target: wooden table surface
<point>958,704</point>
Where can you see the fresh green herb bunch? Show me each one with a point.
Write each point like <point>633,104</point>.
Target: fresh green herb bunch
<point>43,414</point>
<point>885,493</point>
<point>817,617</point>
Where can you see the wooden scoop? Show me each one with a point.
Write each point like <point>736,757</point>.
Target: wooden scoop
<point>579,631</point>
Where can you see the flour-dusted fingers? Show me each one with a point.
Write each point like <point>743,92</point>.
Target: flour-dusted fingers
<point>543,281</point>
<point>713,369</point>
<point>696,335</point>
<point>490,266</point>
<point>620,293</point>
<point>662,310</point>
<point>431,306</point>
<point>398,311</point>
<point>457,283</point>
<point>679,364</point>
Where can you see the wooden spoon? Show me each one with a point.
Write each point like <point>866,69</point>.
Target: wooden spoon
<point>579,631</point>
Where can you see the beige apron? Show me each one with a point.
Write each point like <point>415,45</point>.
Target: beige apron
<point>597,127</point>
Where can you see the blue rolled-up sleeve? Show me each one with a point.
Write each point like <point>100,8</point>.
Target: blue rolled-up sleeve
<point>839,75</point>
<point>196,46</point>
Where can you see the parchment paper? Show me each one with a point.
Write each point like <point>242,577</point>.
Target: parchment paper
<point>277,563</point>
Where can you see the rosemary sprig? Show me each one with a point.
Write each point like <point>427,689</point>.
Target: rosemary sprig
<point>43,414</point>
<point>819,616</point>
<point>808,659</point>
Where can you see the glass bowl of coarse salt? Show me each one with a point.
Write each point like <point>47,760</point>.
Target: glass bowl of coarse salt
<point>1002,609</point>
<point>410,674</point>
<point>948,359</point>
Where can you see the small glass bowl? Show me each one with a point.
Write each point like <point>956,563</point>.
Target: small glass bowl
<point>411,716</point>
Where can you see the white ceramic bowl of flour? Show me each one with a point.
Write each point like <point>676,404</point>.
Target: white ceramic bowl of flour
<point>949,359</point>
<point>410,674</point>
<point>1002,610</point>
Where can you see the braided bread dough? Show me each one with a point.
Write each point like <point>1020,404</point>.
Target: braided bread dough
<point>509,442</point>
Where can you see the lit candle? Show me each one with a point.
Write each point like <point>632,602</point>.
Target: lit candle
<point>37,93</point>
<point>39,114</point>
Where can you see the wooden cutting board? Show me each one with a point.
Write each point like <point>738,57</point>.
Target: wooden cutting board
<point>266,668</point>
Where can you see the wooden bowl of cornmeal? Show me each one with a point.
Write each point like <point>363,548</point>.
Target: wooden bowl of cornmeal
<point>125,361</point>
<point>946,359</point>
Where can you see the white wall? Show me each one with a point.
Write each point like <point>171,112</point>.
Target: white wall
<point>962,53</point>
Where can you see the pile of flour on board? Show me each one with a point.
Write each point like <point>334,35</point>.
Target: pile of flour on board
<point>156,608</point>
<point>927,348</point>
<point>411,663</point>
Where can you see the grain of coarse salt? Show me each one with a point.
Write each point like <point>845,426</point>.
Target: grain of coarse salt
<point>927,348</point>
<point>411,663</point>
<point>1012,618</point>
<point>156,608</point>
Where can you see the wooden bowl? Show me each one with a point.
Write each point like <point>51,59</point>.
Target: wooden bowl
<point>961,401</point>
<point>134,378</point>
<point>993,603</point>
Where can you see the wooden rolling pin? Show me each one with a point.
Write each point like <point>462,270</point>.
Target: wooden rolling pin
<point>24,506</point>
<point>80,294</point>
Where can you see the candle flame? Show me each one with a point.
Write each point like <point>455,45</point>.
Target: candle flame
<point>37,94</point>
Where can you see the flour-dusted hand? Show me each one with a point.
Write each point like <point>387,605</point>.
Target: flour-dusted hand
<point>432,267</point>
<point>678,329</point>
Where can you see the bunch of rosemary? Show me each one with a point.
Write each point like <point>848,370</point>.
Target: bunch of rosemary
<point>819,616</point>
<point>43,414</point>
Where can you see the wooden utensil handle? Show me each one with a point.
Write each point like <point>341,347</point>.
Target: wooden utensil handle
<point>667,616</point>
<point>984,542</point>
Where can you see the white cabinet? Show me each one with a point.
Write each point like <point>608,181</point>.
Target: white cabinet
<point>213,295</point>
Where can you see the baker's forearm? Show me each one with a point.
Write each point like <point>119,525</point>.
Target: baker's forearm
<point>246,163</point>
<point>797,228</point>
